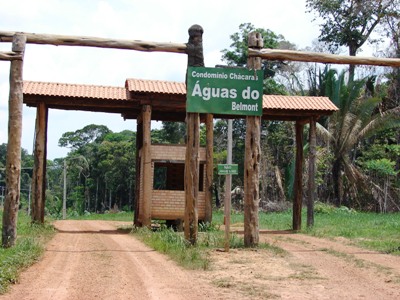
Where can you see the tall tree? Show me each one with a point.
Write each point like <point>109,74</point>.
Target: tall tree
<point>349,22</point>
<point>174,132</point>
<point>237,54</point>
<point>81,137</point>
<point>356,120</point>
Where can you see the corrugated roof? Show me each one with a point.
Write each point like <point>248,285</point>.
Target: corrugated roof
<point>155,86</point>
<point>278,102</point>
<point>74,90</point>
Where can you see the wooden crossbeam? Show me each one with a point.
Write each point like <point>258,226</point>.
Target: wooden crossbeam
<point>87,41</point>
<point>10,56</point>
<point>278,54</point>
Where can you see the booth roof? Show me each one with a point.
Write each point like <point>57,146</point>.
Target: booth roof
<point>164,96</point>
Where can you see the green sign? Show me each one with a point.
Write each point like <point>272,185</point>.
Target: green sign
<point>231,169</point>
<point>224,91</point>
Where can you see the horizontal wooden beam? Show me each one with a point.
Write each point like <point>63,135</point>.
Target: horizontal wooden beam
<point>86,41</point>
<point>10,56</point>
<point>278,54</point>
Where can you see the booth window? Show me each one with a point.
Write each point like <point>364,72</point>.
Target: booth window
<point>170,176</point>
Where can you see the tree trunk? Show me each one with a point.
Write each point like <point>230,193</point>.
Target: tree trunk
<point>337,182</point>
<point>13,161</point>
<point>352,67</point>
<point>252,159</point>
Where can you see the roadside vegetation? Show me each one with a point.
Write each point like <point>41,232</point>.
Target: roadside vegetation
<point>28,249</point>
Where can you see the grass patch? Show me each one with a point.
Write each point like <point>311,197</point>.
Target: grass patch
<point>28,249</point>
<point>379,232</point>
<point>109,216</point>
<point>165,240</point>
<point>172,243</point>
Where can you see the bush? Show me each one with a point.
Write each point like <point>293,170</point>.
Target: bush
<point>323,208</point>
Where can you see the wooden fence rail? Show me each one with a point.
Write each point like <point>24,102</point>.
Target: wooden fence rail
<point>86,41</point>
<point>278,54</point>
<point>10,56</point>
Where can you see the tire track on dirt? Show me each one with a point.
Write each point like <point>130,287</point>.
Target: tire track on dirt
<point>348,272</point>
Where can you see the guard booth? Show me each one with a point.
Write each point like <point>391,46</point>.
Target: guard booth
<point>167,177</point>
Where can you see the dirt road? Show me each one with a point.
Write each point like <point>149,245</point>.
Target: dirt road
<point>92,260</point>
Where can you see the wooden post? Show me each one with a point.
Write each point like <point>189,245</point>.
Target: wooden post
<point>298,177</point>
<point>311,172</point>
<point>146,159</point>
<point>39,170</point>
<point>252,159</point>
<point>209,167</point>
<point>195,59</point>
<point>228,188</point>
<point>13,161</point>
<point>139,145</point>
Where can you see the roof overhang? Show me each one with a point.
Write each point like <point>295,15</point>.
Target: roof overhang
<point>168,100</point>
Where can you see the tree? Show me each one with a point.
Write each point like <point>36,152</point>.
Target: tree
<point>237,55</point>
<point>110,178</point>
<point>174,132</point>
<point>349,22</point>
<point>355,121</point>
<point>81,137</point>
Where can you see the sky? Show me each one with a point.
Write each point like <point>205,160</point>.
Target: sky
<point>150,20</point>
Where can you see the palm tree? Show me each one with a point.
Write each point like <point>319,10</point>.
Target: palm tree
<point>356,120</point>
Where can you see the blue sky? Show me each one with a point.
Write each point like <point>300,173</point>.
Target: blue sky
<point>161,21</point>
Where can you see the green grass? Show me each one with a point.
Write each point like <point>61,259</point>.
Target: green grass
<point>175,246</point>
<point>111,216</point>
<point>379,232</point>
<point>28,249</point>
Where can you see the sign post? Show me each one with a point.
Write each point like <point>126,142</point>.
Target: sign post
<point>225,91</point>
<point>228,170</point>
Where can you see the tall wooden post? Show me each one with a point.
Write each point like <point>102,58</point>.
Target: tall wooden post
<point>252,159</point>
<point>195,59</point>
<point>39,171</point>
<point>311,172</point>
<point>298,177</point>
<point>13,161</point>
<point>139,145</point>
<point>209,167</point>
<point>146,165</point>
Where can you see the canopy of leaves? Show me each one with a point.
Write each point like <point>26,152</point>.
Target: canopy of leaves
<point>237,54</point>
<point>81,137</point>
<point>348,22</point>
